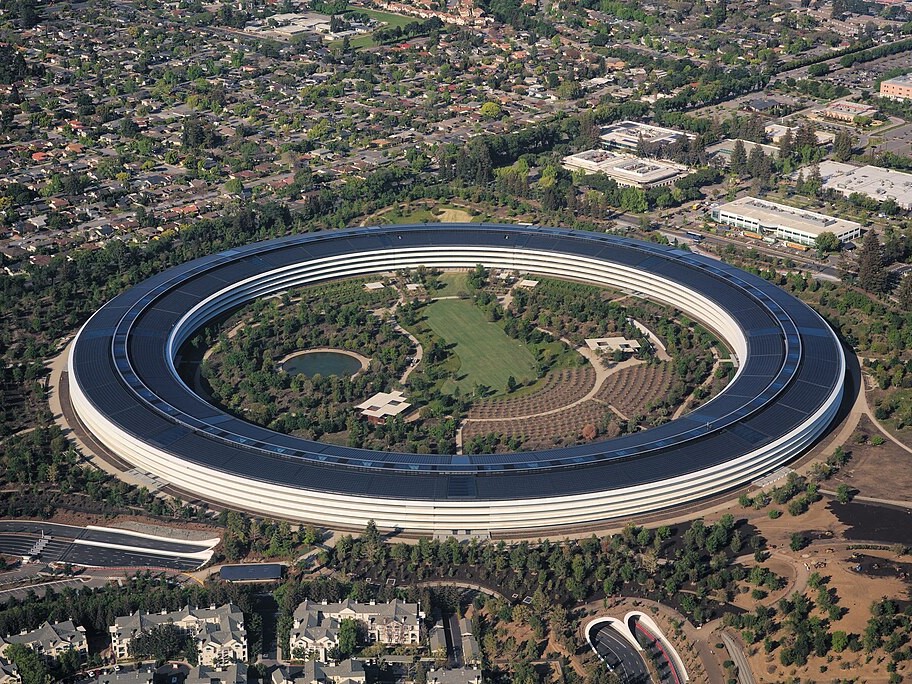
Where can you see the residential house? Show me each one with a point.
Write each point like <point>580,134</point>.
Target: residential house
<point>312,672</point>
<point>219,632</point>
<point>315,630</point>
<point>49,640</point>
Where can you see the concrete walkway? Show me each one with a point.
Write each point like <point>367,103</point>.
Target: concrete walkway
<point>601,373</point>
<point>419,353</point>
<point>706,383</point>
<point>745,676</point>
<point>660,350</point>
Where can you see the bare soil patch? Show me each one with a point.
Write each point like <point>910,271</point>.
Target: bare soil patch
<point>880,472</point>
<point>451,215</point>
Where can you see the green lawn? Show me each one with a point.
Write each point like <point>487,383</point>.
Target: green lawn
<point>453,284</point>
<point>384,17</point>
<point>487,355</point>
<point>405,216</point>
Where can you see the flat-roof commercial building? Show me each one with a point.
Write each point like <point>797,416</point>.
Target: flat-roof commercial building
<point>847,111</point>
<point>871,181</point>
<point>626,135</point>
<point>626,170</point>
<point>722,151</point>
<point>787,389</point>
<point>784,222</point>
<point>899,88</point>
<point>775,132</point>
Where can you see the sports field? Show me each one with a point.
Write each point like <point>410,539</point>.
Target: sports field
<point>487,355</point>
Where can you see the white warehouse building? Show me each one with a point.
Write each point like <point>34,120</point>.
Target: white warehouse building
<point>782,221</point>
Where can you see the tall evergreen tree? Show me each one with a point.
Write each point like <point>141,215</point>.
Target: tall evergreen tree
<point>738,157</point>
<point>872,275</point>
<point>843,146</point>
<point>904,293</point>
<point>786,145</point>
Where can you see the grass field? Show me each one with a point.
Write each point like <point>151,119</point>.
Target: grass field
<point>487,355</point>
<point>385,18</point>
<point>453,284</point>
<point>417,213</point>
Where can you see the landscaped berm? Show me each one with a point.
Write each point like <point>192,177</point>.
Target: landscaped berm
<point>486,353</point>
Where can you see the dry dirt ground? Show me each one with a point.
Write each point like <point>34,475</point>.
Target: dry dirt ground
<point>880,472</point>
<point>454,216</point>
<point>831,557</point>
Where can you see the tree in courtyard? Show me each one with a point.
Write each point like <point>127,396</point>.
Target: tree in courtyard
<point>872,276</point>
<point>738,161</point>
<point>162,643</point>
<point>31,666</point>
<point>826,242</point>
<point>348,637</point>
<point>786,145</point>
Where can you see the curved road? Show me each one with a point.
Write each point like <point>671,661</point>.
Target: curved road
<point>619,655</point>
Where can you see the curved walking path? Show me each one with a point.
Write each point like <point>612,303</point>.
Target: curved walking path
<point>601,373</point>
<point>706,383</point>
<point>745,676</point>
<point>419,353</point>
<point>463,584</point>
<point>419,350</point>
<point>866,409</point>
<point>660,350</point>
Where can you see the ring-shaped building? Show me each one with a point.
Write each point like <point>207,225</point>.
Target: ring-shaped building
<point>126,391</point>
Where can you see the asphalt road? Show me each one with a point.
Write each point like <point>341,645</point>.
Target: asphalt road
<point>651,644</point>
<point>620,656</point>
<point>456,640</point>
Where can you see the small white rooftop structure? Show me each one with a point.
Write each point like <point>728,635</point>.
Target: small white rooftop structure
<point>611,344</point>
<point>525,282</point>
<point>384,405</point>
<point>374,286</point>
<point>411,287</point>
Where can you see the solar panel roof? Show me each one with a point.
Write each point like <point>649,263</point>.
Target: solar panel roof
<point>791,368</point>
